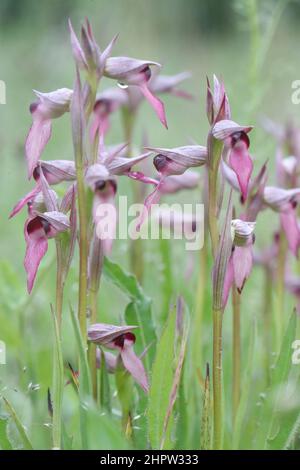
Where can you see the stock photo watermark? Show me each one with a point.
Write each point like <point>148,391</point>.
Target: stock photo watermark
<point>2,92</point>
<point>295,98</point>
<point>296,353</point>
<point>168,221</point>
<point>2,352</point>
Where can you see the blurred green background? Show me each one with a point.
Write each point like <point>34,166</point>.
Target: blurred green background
<point>252,45</point>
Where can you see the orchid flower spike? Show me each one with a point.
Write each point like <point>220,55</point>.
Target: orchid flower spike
<point>87,53</point>
<point>241,259</point>
<point>235,138</point>
<point>285,202</point>
<point>121,339</point>
<point>217,104</point>
<point>48,106</point>
<point>135,72</point>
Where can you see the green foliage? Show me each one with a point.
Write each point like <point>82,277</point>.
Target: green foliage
<point>161,383</point>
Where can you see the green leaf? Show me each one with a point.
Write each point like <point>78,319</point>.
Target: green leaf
<point>206,412</point>
<point>138,312</point>
<point>85,382</point>
<point>161,383</point>
<point>21,430</point>
<point>268,410</point>
<point>102,431</point>
<point>4,441</point>
<point>103,388</point>
<point>125,281</point>
<point>245,391</point>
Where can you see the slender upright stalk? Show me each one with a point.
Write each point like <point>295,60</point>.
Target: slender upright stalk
<point>280,288</point>
<point>83,251</point>
<point>197,346</point>
<point>215,151</point>
<point>95,274</point>
<point>236,351</point>
<point>58,373</point>
<point>267,311</point>
<point>212,209</point>
<point>136,246</point>
<point>217,378</point>
<point>59,285</point>
<point>78,124</point>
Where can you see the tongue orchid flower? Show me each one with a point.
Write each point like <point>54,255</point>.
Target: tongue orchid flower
<point>241,260</point>
<point>48,106</point>
<point>285,202</point>
<point>121,339</point>
<point>134,72</point>
<point>236,140</point>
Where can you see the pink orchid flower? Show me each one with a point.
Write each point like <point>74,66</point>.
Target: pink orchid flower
<point>107,102</point>
<point>285,202</point>
<point>122,340</point>
<point>236,140</point>
<point>39,227</point>
<point>55,171</point>
<point>171,162</point>
<point>49,106</point>
<point>241,260</point>
<point>134,72</point>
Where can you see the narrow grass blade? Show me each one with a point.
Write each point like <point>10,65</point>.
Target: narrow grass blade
<point>206,414</point>
<point>21,430</point>
<point>161,383</point>
<point>245,391</point>
<point>58,385</point>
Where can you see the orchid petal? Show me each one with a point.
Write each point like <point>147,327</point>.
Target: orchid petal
<point>103,333</point>
<point>155,102</point>
<point>24,201</point>
<point>242,265</point>
<point>242,165</point>
<point>37,139</point>
<point>77,49</point>
<point>153,198</point>
<point>36,248</point>
<point>225,128</point>
<point>288,219</point>
<point>134,366</point>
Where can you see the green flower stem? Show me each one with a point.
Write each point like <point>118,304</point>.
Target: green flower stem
<point>212,209</point>
<point>58,372</point>
<point>280,288</point>
<point>215,151</point>
<point>267,310</point>
<point>136,254</point>
<point>200,304</point>
<point>236,351</point>
<point>217,378</point>
<point>83,250</point>
<point>95,274</point>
